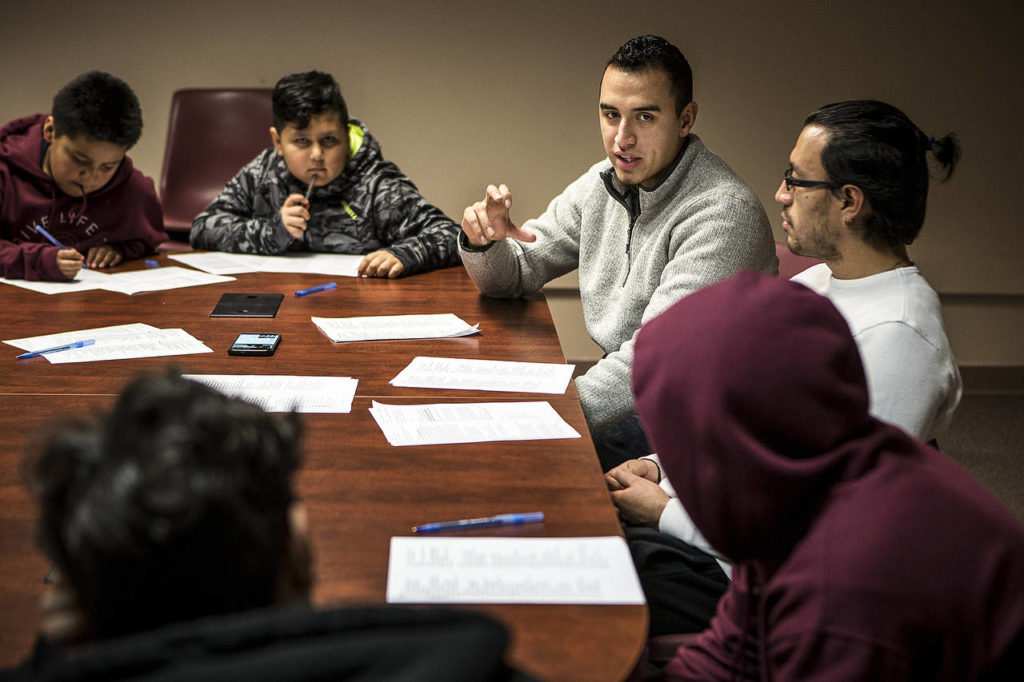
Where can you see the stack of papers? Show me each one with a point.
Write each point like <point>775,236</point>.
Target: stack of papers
<point>469,422</point>
<point>219,263</point>
<point>286,393</point>
<point>496,570</point>
<point>484,375</point>
<point>150,279</point>
<point>384,327</point>
<point>115,343</point>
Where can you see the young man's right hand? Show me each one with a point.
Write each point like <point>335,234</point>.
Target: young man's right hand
<point>69,262</point>
<point>294,215</point>
<point>488,220</point>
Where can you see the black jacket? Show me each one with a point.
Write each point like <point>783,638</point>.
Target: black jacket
<point>367,643</point>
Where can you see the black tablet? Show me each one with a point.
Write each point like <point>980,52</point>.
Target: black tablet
<point>247,305</point>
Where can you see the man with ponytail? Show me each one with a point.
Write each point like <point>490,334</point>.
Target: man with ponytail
<point>854,196</point>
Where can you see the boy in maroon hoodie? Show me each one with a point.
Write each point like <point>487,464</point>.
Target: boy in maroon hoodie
<point>67,172</point>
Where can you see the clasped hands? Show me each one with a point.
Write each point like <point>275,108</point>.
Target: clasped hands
<point>634,490</point>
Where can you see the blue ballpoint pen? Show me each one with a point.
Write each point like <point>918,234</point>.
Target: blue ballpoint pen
<point>53,240</point>
<point>483,522</point>
<point>57,349</point>
<point>313,290</point>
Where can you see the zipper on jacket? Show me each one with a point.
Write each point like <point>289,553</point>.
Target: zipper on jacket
<point>629,242</point>
<point>631,202</point>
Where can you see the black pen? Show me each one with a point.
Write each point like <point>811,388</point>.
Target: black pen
<point>312,184</point>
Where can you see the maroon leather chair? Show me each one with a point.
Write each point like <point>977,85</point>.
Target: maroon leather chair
<point>213,132</point>
<point>790,263</point>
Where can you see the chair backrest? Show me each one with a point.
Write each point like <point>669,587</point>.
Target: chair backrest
<point>790,263</point>
<point>213,132</point>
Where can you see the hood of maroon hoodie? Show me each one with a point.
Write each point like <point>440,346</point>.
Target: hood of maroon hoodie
<point>753,396</point>
<point>123,210</point>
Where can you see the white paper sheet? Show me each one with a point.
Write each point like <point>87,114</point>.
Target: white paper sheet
<point>114,332</point>
<point>219,263</point>
<point>160,343</point>
<point>86,280</point>
<point>313,263</point>
<point>506,570</point>
<point>132,282</point>
<point>384,327</point>
<point>285,393</point>
<point>484,375</point>
<point>118,342</point>
<point>445,423</point>
<point>159,279</point>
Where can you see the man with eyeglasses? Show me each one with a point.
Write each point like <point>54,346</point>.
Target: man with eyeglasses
<point>854,196</point>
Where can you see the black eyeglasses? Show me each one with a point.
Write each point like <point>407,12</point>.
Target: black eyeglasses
<point>791,182</point>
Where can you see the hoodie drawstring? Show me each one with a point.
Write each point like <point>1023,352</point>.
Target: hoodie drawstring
<point>73,215</point>
<point>756,601</point>
<point>738,661</point>
<point>762,628</point>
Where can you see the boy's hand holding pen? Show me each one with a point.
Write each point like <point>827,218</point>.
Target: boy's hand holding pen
<point>69,261</point>
<point>295,212</point>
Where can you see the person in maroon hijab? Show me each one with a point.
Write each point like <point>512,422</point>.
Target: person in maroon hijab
<point>860,553</point>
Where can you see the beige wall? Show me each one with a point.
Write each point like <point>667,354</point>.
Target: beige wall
<point>465,93</point>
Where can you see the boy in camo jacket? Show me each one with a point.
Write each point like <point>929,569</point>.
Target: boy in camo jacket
<point>324,186</point>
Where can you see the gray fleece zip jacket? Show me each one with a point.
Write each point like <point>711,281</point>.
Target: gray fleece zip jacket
<point>701,225</point>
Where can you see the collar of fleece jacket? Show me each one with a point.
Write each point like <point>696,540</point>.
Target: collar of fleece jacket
<point>753,395</point>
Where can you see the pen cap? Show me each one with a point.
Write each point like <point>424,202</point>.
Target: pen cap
<point>528,517</point>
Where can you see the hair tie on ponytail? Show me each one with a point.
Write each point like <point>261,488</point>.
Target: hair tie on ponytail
<point>930,145</point>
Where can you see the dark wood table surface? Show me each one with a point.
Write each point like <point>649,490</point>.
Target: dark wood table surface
<point>359,490</point>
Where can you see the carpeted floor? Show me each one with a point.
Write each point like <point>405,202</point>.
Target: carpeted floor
<point>987,438</point>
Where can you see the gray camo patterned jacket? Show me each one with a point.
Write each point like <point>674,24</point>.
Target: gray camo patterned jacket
<point>371,205</point>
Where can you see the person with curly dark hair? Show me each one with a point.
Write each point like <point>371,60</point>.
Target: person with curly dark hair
<point>180,552</point>
<point>176,504</point>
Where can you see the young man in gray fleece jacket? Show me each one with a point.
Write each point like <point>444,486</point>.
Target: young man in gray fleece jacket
<point>661,217</point>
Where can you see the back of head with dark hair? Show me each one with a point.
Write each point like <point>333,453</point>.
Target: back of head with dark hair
<point>300,96</point>
<point>171,507</point>
<point>654,52</point>
<point>100,107</point>
<point>874,146</point>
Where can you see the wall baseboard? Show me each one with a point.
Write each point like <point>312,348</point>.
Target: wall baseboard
<point>986,379</point>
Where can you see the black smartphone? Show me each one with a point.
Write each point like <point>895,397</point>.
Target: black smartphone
<point>253,343</point>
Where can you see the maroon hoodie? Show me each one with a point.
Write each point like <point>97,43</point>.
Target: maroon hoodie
<point>861,553</point>
<point>124,213</point>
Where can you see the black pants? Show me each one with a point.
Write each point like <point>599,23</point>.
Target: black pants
<point>621,441</point>
<point>682,583</point>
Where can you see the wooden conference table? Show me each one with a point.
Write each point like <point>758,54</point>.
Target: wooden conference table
<point>359,490</point>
